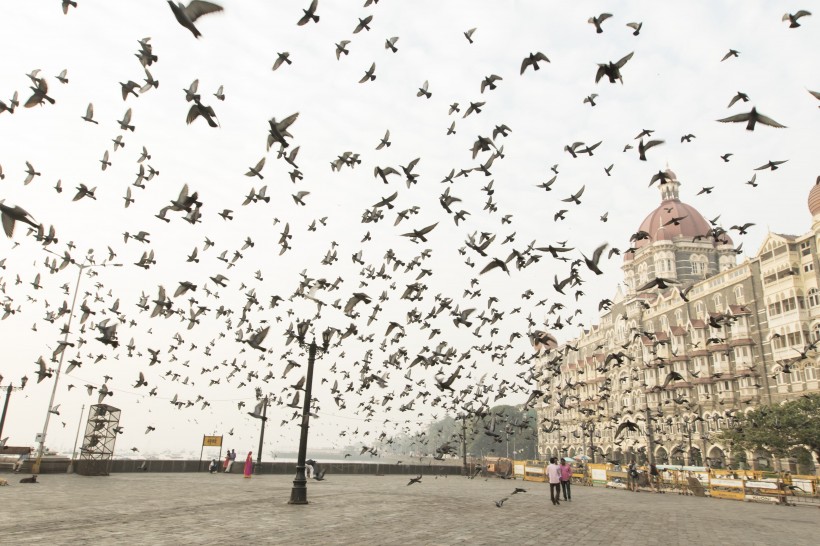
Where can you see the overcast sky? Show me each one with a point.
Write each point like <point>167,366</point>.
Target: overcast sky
<point>675,84</point>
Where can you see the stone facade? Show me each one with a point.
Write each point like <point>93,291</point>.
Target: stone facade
<point>735,344</point>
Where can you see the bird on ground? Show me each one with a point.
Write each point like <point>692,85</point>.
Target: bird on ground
<point>500,503</point>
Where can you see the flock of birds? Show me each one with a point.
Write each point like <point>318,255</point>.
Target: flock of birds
<point>388,311</point>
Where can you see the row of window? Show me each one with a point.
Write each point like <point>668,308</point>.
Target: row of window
<point>785,305</point>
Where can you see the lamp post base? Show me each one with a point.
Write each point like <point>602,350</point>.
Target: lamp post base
<point>298,493</point>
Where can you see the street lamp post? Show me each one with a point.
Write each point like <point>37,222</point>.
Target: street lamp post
<point>76,439</point>
<point>298,493</point>
<point>264,419</point>
<point>35,468</point>
<point>464,471</point>
<point>650,439</point>
<point>9,390</point>
<point>688,431</point>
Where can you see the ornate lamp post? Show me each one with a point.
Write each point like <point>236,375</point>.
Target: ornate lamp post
<point>41,438</point>
<point>298,493</point>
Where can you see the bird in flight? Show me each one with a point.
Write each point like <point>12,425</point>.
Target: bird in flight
<point>752,118</point>
<point>187,15</point>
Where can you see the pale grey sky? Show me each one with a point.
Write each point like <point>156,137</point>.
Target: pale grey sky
<point>674,84</point>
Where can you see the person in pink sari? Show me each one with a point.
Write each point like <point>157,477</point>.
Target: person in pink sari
<point>249,464</point>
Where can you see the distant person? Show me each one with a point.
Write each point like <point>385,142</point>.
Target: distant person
<point>249,464</point>
<point>21,460</point>
<point>554,476</point>
<point>632,477</point>
<point>310,468</point>
<point>213,467</point>
<point>231,459</point>
<point>654,478</point>
<point>227,462</point>
<point>566,476</point>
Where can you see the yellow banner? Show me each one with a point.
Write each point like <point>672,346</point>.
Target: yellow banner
<point>735,495</point>
<point>212,441</point>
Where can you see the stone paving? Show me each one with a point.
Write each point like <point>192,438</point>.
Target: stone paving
<point>218,509</point>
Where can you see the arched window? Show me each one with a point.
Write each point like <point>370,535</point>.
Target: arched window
<point>739,295</point>
<point>718,300</point>
<point>814,297</point>
<point>643,273</point>
<point>700,264</point>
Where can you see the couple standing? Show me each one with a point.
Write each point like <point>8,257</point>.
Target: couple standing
<point>231,457</point>
<point>559,477</point>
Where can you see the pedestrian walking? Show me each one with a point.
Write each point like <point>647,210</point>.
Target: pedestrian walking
<point>566,476</point>
<point>632,477</point>
<point>21,460</point>
<point>554,476</point>
<point>249,464</point>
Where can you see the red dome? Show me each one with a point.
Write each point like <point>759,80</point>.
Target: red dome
<point>691,226</point>
<point>814,198</point>
<point>690,223</point>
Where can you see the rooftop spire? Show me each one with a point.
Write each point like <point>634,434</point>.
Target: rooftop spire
<point>669,186</point>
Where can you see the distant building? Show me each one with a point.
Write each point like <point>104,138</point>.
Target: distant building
<point>736,343</point>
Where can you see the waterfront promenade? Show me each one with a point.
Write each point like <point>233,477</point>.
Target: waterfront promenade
<point>200,508</point>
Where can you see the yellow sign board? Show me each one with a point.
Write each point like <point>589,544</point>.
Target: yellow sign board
<point>212,441</point>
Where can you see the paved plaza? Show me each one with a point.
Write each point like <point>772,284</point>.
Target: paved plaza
<point>156,508</point>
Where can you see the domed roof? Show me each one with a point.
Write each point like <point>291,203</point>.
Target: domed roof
<point>673,218</point>
<point>688,223</point>
<point>814,198</point>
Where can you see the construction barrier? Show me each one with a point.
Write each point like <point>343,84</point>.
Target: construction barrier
<point>745,485</point>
